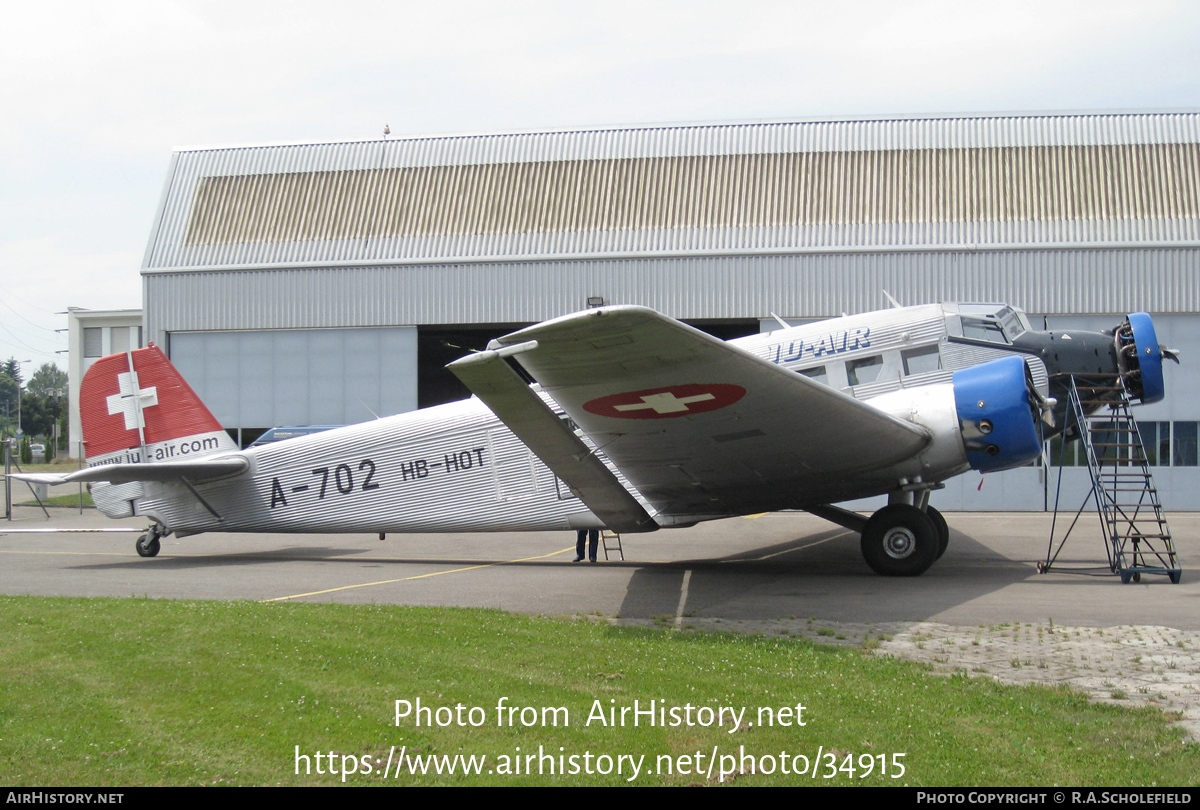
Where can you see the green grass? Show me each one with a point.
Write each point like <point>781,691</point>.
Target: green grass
<point>111,692</point>
<point>58,465</point>
<point>62,500</point>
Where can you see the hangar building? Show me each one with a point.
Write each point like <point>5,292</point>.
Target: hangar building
<point>328,282</point>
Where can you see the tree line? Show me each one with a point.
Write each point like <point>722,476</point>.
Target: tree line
<point>42,403</point>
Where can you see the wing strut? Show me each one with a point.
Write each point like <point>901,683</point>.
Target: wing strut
<point>524,413</point>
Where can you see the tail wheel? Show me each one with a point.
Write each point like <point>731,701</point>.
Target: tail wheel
<point>900,541</point>
<point>943,530</point>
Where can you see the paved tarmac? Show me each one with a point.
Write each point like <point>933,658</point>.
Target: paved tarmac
<point>983,607</point>
<point>760,568</point>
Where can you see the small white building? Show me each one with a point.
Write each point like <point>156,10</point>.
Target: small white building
<point>92,334</point>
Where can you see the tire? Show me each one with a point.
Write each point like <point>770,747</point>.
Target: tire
<point>900,541</point>
<point>943,530</point>
<point>148,545</point>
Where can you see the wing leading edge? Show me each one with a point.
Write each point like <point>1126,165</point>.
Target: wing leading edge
<point>697,425</point>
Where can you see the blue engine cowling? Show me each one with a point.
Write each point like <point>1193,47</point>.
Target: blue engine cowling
<point>999,429</point>
<point>1149,358</point>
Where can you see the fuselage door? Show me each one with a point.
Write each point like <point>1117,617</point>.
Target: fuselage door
<point>514,468</point>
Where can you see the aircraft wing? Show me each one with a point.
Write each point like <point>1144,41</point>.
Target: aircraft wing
<point>699,426</point>
<point>552,440</point>
<point>194,471</point>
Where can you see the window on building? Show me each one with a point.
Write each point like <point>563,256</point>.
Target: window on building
<point>119,339</point>
<point>1185,445</point>
<point>93,341</point>
<point>1156,439</point>
<point>1068,456</point>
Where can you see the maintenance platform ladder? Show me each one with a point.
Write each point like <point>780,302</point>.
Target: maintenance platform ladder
<point>1138,539</point>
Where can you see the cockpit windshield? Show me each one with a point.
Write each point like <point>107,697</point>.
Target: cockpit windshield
<point>993,323</point>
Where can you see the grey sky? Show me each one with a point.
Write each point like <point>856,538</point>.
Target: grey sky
<point>96,95</point>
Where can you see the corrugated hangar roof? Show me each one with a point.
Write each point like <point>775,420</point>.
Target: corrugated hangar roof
<point>1002,181</point>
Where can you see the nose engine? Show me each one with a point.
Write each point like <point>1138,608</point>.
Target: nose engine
<point>1139,357</point>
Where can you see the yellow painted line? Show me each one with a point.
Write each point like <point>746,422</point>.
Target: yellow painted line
<point>752,517</point>
<point>418,576</point>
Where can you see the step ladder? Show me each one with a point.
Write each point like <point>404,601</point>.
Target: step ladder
<point>611,541</point>
<point>1137,537</point>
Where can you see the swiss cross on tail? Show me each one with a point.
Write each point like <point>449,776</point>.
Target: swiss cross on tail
<point>138,400</point>
<point>667,403</point>
<point>131,400</point>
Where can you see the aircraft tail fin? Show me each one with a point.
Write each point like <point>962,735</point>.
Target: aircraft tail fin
<point>137,408</point>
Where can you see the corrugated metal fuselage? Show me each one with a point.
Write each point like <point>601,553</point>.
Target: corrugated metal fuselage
<point>456,467</point>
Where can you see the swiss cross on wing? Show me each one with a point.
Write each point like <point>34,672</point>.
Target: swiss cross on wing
<point>131,400</point>
<point>667,403</point>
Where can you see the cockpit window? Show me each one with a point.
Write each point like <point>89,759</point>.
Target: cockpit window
<point>983,329</point>
<point>993,323</point>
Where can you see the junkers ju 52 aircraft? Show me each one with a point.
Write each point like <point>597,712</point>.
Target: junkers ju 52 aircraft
<point>635,422</point>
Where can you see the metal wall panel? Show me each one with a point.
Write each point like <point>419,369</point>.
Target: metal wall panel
<point>793,286</point>
<point>265,378</point>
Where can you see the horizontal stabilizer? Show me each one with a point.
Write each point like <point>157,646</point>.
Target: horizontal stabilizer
<point>491,379</point>
<point>114,530</point>
<point>194,471</point>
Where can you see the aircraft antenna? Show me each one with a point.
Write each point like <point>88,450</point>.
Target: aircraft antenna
<point>892,301</point>
<point>368,407</point>
<point>780,321</point>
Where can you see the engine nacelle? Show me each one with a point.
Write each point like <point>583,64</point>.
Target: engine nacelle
<point>1140,358</point>
<point>997,422</point>
<point>985,419</point>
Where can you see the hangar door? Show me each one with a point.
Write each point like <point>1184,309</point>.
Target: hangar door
<point>260,379</point>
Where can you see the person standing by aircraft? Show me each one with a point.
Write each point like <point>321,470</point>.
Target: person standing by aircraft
<point>593,538</point>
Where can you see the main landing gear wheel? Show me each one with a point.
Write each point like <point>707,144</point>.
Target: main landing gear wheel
<point>900,541</point>
<point>943,529</point>
<point>148,545</point>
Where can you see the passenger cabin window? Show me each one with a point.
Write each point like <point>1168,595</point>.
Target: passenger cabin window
<point>864,370</point>
<point>817,374</point>
<point>922,360</point>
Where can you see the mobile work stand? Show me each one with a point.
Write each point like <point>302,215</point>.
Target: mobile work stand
<point>1137,538</point>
